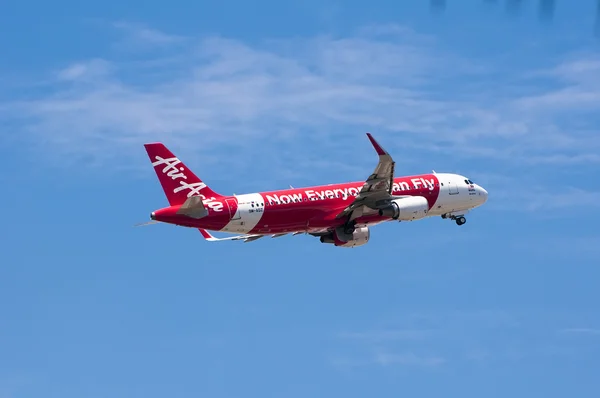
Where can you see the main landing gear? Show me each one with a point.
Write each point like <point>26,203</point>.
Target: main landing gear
<point>460,220</point>
<point>349,227</point>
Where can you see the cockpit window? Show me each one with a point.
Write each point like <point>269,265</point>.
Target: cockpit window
<point>469,182</point>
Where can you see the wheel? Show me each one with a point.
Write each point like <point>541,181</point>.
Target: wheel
<point>350,227</point>
<point>461,220</point>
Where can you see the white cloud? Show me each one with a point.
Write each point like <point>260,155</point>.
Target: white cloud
<point>568,197</point>
<point>580,91</point>
<point>544,200</point>
<point>387,335</point>
<point>92,69</point>
<point>215,92</point>
<point>588,331</point>
<point>137,36</point>
<point>384,358</point>
<point>431,339</point>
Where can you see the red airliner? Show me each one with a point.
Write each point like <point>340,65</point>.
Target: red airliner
<point>340,214</point>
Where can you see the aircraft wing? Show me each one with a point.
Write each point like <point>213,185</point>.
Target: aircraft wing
<point>245,237</point>
<point>377,189</point>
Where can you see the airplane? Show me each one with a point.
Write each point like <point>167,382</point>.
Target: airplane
<point>339,214</point>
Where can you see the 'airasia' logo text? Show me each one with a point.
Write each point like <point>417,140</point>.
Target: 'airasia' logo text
<point>176,173</point>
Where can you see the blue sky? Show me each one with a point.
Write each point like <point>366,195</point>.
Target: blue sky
<point>257,96</point>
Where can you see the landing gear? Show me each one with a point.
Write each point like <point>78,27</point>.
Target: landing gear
<point>349,227</point>
<point>460,220</point>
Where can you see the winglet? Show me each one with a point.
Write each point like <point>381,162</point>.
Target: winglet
<point>378,148</point>
<point>207,235</point>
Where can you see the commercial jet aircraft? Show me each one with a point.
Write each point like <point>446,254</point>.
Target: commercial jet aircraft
<point>339,214</point>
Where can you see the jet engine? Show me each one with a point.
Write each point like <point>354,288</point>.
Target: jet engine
<point>406,209</point>
<point>359,237</point>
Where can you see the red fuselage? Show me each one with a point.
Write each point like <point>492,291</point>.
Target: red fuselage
<point>292,210</point>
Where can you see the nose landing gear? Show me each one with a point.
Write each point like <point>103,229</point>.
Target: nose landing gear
<point>460,219</point>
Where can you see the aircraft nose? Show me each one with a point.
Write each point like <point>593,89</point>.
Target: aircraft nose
<point>484,194</point>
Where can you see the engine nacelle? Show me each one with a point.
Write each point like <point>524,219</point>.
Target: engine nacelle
<point>359,237</point>
<point>406,209</point>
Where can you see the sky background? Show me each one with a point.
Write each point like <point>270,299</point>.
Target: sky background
<point>260,95</point>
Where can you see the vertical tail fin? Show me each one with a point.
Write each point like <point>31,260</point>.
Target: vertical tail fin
<point>177,180</point>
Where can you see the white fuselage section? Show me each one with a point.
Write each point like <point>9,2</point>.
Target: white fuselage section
<point>456,196</point>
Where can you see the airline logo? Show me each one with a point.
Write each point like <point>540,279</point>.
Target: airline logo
<point>417,183</point>
<point>309,194</point>
<point>176,173</point>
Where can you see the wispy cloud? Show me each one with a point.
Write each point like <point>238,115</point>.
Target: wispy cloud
<point>385,358</point>
<point>542,200</point>
<point>215,91</point>
<point>137,36</point>
<point>377,336</point>
<point>85,71</point>
<point>581,331</point>
<point>445,338</point>
<point>578,248</point>
<point>389,359</point>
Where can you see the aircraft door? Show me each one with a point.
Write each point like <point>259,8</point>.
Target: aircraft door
<point>234,211</point>
<point>452,188</point>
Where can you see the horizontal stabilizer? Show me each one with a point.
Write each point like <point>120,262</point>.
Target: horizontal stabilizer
<point>193,207</point>
<point>143,224</point>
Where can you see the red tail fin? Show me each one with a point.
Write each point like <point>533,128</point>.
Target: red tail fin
<point>178,181</point>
